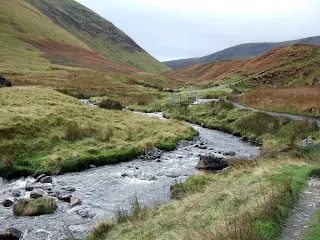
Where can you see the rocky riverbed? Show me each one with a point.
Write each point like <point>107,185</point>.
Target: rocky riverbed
<point>105,190</point>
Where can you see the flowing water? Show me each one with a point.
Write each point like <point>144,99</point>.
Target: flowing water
<point>106,189</point>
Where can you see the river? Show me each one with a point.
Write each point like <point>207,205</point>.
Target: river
<point>104,190</point>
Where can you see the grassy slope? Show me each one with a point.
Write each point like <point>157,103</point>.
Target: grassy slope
<point>249,200</point>
<point>45,131</point>
<point>100,34</point>
<point>239,51</point>
<point>18,20</point>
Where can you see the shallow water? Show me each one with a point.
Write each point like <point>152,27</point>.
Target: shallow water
<point>106,189</point>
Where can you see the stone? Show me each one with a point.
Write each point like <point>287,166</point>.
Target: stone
<point>4,82</point>
<point>46,179</point>
<point>44,186</point>
<point>65,198</point>
<point>40,177</point>
<point>16,193</point>
<point>230,153</point>
<point>85,213</point>
<point>75,201</point>
<point>10,234</point>
<point>92,166</point>
<point>8,203</point>
<point>309,141</point>
<point>69,189</point>
<point>37,193</point>
<point>212,162</point>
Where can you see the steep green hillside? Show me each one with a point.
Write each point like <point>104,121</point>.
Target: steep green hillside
<point>239,51</point>
<point>100,34</point>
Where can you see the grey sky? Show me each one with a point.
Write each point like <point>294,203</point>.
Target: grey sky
<point>173,29</point>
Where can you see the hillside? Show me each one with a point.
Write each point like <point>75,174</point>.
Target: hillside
<point>98,33</point>
<point>30,41</point>
<point>279,65</point>
<point>239,51</point>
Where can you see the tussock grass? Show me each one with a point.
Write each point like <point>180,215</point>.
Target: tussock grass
<point>35,207</point>
<point>297,100</point>
<point>43,131</point>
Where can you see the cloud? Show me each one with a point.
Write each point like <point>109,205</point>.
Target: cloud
<point>171,29</point>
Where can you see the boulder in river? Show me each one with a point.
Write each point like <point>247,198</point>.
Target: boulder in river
<point>75,201</point>
<point>8,203</point>
<point>212,162</point>
<point>10,234</point>
<point>46,179</point>
<point>65,198</point>
<point>37,193</point>
<point>229,153</point>
<point>40,177</point>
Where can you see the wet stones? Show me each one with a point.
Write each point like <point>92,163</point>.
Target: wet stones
<point>10,234</point>
<point>151,154</point>
<point>16,193</point>
<point>212,162</point>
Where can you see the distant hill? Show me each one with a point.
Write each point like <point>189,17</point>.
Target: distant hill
<point>239,51</point>
<point>295,64</point>
<point>34,34</point>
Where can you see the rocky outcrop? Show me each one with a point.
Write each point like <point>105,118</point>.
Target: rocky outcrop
<point>212,162</point>
<point>10,234</point>
<point>4,82</point>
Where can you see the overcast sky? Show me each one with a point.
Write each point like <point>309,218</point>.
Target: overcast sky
<point>173,29</point>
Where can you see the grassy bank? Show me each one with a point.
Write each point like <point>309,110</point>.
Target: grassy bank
<point>274,132</point>
<point>43,131</point>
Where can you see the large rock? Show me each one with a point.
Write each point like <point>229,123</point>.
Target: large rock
<point>10,234</point>
<point>212,162</point>
<point>37,193</point>
<point>46,179</point>
<point>4,82</point>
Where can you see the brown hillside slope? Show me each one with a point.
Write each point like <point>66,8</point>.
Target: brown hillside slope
<point>270,60</point>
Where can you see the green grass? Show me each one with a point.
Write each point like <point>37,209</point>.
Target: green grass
<point>35,207</point>
<point>43,131</point>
